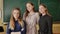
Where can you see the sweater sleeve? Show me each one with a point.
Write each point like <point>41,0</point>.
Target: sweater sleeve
<point>49,20</point>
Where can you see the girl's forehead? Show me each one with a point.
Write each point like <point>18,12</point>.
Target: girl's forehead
<point>15,11</point>
<point>28,4</point>
<point>41,6</point>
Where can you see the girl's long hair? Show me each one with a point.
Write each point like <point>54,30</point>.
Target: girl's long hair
<point>12,19</point>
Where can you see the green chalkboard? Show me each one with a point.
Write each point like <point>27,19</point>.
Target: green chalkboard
<point>53,8</point>
<point>8,5</point>
<point>52,5</point>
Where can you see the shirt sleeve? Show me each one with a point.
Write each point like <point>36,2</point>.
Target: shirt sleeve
<point>49,20</point>
<point>24,28</point>
<point>37,20</point>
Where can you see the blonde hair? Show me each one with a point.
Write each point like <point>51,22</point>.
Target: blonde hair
<point>12,20</point>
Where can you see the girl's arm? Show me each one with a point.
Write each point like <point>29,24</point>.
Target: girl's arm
<point>49,20</point>
<point>24,28</point>
<point>8,30</point>
<point>37,19</point>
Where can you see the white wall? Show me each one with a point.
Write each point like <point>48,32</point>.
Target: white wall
<point>1,8</point>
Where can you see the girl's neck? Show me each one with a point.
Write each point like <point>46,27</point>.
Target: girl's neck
<point>43,14</point>
<point>16,19</point>
<point>31,12</point>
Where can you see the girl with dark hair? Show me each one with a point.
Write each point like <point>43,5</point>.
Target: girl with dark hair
<point>31,18</point>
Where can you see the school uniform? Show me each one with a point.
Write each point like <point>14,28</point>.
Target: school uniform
<point>17,28</point>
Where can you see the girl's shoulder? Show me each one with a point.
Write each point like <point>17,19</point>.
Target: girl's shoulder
<point>36,14</point>
<point>48,17</point>
<point>24,22</point>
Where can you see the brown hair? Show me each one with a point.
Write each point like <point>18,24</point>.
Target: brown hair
<point>12,19</point>
<point>26,13</point>
<point>46,9</point>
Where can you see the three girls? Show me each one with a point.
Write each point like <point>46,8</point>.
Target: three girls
<point>31,18</point>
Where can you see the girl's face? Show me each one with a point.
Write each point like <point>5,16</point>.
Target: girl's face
<point>15,14</point>
<point>42,9</point>
<point>29,7</point>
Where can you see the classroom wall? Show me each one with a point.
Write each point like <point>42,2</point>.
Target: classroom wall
<point>1,8</point>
